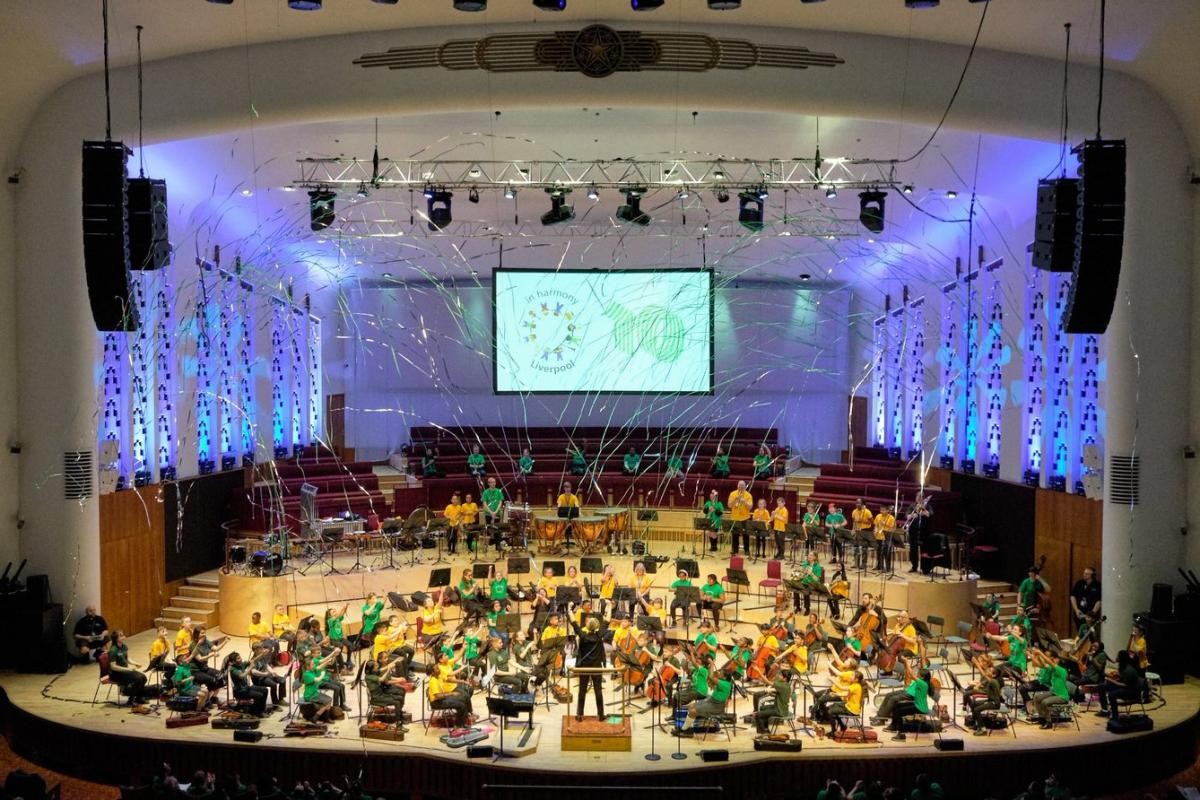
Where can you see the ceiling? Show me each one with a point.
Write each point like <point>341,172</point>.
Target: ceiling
<point>48,42</point>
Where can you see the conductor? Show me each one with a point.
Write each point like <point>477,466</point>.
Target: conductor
<point>589,653</point>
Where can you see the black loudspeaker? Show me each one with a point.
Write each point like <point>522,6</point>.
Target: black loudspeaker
<point>1099,236</point>
<point>247,736</point>
<point>1054,226</point>
<point>714,755</point>
<point>148,245</point>
<point>1170,646</point>
<point>41,646</point>
<point>1162,599</point>
<point>948,744</point>
<point>37,591</point>
<point>480,751</point>
<point>106,236</point>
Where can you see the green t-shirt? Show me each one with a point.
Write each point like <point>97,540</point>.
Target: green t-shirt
<point>709,638</point>
<point>740,657</point>
<point>835,520</point>
<point>499,589</point>
<point>761,462</point>
<point>1016,653</point>
<point>492,616</point>
<point>722,690</point>
<point>783,696</point>
<point>475,460</point>
<point>578,459</point>
<point>1056,678</point>
<point>713,591</point>
<point>182,678</point>
<point>632,461</point>
<point>333,624</point>
<point>721,462</point>
<point>429,464</point>
<point>812,520</point>
<point>370,616</point>
<point>816,574</point>
<point>680,582</point>
<point>312,684</point>
<point>493,498</point>
<point>675,464</point>
<point>714,510</point>
<point>918,690</point>
<point>470,648</point>
<point>1028,592</point>
<point>526,465</point>
<point>700,681</point>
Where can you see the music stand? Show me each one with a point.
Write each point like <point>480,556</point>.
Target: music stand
<point>566,595</point>
<point>518,565</point>
<point>505,709</point>
<point>649,563</point>
<point>649,624</point>
<point>508,623</point>
<point>759,529</point>
<point>739,579</point>
<point>689,565</point>
<point>557,568</point>
<point>622,595</point>
<point>481,571</point>
<point>688,596</point>
<point>439,578</point>
<point>591,565</point>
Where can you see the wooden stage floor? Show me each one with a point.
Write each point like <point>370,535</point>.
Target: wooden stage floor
<point>51,720</point>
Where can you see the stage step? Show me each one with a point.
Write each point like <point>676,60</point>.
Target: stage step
<point>198,598</point>
<point>208,579</point>
<point>208,619</point>
<point>200,592</point>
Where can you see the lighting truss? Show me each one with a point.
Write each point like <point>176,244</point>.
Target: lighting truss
<point>349,173</point>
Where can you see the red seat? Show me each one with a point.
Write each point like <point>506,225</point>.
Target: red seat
<point>774,577</point>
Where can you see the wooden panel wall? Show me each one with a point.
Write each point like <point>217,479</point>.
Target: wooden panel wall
<point>1067,529</point>
<point>133,588</point>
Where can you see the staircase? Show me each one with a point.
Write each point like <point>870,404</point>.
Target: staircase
<point>800,482</point>
<point>1004,592</point>
<point>198,598</point>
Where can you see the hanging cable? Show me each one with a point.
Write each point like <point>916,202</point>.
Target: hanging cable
<point>141,149</point>
<point>957,87</point>
<point>107,93</point>
<point>1064,116</point>
<point>1100,99</point>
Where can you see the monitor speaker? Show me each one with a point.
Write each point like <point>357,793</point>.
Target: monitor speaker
<point>480,751</point>
<point>1171,646</point>
<point>247,736</point>
<point>37,591</point>
<point>148,245</point>
<point>106,236</point>
<point>40,643</point>
<point>714,755</point>
<point>948,744</point>
<point>1099,236</point>
<point>1054,225</point>
<point>1161,600</point>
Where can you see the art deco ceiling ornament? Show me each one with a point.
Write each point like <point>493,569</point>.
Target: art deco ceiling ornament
<point>599,51</point>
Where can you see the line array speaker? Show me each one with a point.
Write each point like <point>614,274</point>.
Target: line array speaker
<point>148,244</point>
<point>106,236</point>
<point>1054,225</point>
<point>1099,236</point>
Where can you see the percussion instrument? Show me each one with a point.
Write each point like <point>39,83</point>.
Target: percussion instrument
<point>549,529</point>
<point>237,554</point>
<point>618,519</point>
<point>515,513</point>
<point>589,531</point>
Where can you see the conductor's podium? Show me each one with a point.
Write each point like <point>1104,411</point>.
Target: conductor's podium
<point>597,734</point>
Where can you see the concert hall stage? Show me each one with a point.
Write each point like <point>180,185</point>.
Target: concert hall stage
<point>51,721</point>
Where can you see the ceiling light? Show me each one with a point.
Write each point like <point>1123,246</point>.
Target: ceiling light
<point>509,193</point>
<point>287,188</point>
<point>428,192</point>
<point>830,236</point>
<point>804,276</point>
<point>473,195</point>
<point>222,2</point>
<point>684,194</point>
<point>305,5</point>
<point>247,192</point>
<point>470,5</point>
<point>475,171</point>
<point>722,195</point>
<point>387,274</point>
<point>922,3</point>
<point>762,192</point>
<point>362,190</point>
<point>474,273</point>
<point>718,173</point>
<point>385,2</point>
<point>559,211</point>
<point>631,211</point>
<point>907,189</point>
<point>592,193</point>
<point>724,5</point>
<point>439,209</point>
<point>830,192</point>
<point>750,211</point>
<point>870,209</point>
<point>550,5</point>
<point>870,240</point>
<point>951,194</point>
<point>645,5</point>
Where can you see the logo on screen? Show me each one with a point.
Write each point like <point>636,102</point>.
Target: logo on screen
<point>551,328</point>
<point>655,330</point>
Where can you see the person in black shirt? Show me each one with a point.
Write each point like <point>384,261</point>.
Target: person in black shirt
<point>918,529</point>
<point>589,652</point>
<point>1126,687</point>
<point>91,634</point>
<point>244,687</point>
<point>1085,599</point>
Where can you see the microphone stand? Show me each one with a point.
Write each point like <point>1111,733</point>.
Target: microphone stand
<point>678,755</point>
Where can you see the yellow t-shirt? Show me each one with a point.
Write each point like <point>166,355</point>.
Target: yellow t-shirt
<point>768,641</point>
<point>468,513</point>
<point>436,686</point>
<point>280,623</point>
<point>884,522</point>
<point>550,584</point>
<point>779,518</point>
<point>453,514</point>
<point>740,504</point>
<point>259,631</point>
<point>761,515</point>
<point>799,658</point>
<point>909,632</point>
<point>862,518</point>
<point>568,500</point>
<point>183,642</point>
<point>158,647</point>
<point>431,622</point>
<point>854,698</point>
<point>383,643</point>
<point>620,634</point>
<point>642,584</point>
<point>550,633</point>
<point>1139,652</point>
<point>606,587</point>
<point>661,614</point>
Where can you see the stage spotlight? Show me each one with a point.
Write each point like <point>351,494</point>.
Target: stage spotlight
<point>830,192</point>
<point>362,190</point>
<point>473,195</point>
<point>684,194</point>
<point>305,5</point>
<point>386,2</point>
<point>750,210</point>
<point>320,209</point>
<point>762,193</point>
<point>724,5</point>
<point>907,188</point>
<point>804,276</point>
<point>922,3</point>
<point>812,1</point>
<point>222,2</point>
<point>550,5</point>
<point>592,193</point>
<point>645,5</point>
<point>559,211</point>
<point>470,5</point>
<point>722,195</point>
<point>951,194</point>
<point>509,193</point>
<point>870,209</point>
<point>439,210</point>
<point>631,211</point>
<point>428,192</point>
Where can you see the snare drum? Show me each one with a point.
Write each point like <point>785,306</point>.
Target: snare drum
<point>549,529</point>
<point>590,530</point>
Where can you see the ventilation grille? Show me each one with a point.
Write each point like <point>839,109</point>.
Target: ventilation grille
<point>1124,479</point>
<point>77,474</point>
